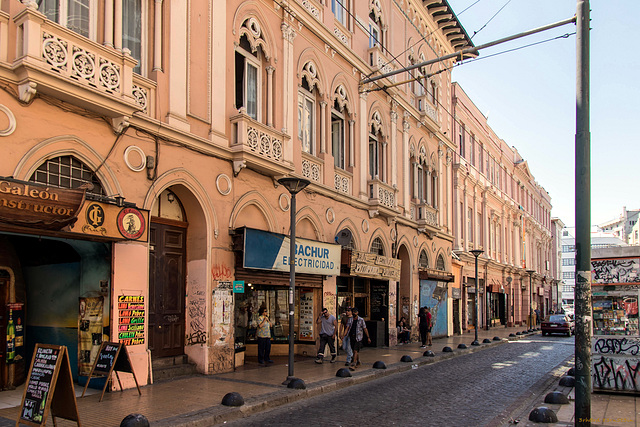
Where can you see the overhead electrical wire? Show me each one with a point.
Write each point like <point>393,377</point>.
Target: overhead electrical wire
<point>490,19</point>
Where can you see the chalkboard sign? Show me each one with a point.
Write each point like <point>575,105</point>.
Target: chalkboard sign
<point>112,358</point>
<point>49,387</point>
<point>106,358</point>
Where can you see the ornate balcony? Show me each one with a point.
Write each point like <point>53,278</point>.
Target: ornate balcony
<point>258,147</point>
<point>54,60</point>
<point>312,168</point>
<point>342,181</point>
<point>426,215</point>
<point>382,199</point>
<point>378,61</point>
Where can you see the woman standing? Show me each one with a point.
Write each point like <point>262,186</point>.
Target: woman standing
<point>423,326</point>
<point>264,337</point>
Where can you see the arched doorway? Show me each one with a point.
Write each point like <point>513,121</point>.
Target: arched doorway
<point>167,273</point>
<point>404,291</point>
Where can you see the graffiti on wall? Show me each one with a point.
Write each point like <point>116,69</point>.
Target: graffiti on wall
<point>196,310</point>
<point>433,296</point>
<point>617,346</point>
<point>625,270</point>
<point>619,374</point>
<point>221,272</point>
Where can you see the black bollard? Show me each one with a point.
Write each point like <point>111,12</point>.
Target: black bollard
<point>486,341</point>
<point>462,345</point>
<point>297,384</point>
<point>568,381</point>
<point>543,414</point>
<point>429,353</point>
<point>233,399</point>
<point>406,358</point>
<point>497,339</point>
<point>379,365</point>
<point>135,420</point>
<point>447,349</point>
<point>556,397</point>
<point>343,373</point>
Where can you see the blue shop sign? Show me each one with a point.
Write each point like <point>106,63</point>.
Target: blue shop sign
<point>238,286</point>
<point>270,251</point>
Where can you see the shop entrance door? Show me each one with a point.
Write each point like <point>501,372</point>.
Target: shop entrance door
<point>167,265</point>
<point>4,291</point>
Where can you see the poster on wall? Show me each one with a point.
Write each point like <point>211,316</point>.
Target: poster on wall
<point>131,319</point>
<point>15,332</point>
<point>306,315</point>
<point>89,331</point>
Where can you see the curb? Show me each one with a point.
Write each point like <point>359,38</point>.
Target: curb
<point>219,414</point>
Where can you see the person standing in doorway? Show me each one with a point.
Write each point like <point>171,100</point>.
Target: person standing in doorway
<point>264,337</point>
<point>357,332</point>
<point>423,326</point>
<point>328,327</point>
<point>429,324</point>
<point>345,324</point>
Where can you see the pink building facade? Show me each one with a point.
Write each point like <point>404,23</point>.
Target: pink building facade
<point>501,209</point>
<point>175,124</point>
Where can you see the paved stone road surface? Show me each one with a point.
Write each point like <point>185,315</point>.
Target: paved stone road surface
<point>470,390</point>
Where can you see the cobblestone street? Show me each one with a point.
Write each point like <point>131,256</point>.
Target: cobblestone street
<point>469,390</point>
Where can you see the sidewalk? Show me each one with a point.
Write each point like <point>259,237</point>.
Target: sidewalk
<point>196,401</point>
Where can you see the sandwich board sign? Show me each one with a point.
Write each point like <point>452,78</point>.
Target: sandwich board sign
<point>49,388</point>
<point>112,358</point>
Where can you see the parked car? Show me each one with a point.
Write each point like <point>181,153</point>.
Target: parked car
<point>558,324</point>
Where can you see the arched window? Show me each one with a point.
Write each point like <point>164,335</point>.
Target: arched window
<point>375,25</point>
<point>423,261</point>
<point>307,109</point>
<point>250,65</point>
<point>339,130</point>
<point>377,247</point>
<point>376,149</point>
<point>440,263</point>
<point>68,172</point>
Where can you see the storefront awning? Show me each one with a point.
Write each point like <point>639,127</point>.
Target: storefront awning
<point>432,274</point>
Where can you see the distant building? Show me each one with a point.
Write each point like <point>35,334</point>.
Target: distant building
<point>556,263</point>
<point>599,240</point>
<point>634,237</point>
<point>621,226</point>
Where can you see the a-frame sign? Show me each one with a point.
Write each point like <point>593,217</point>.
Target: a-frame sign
<point>112,358</point>
<point>49,388</point>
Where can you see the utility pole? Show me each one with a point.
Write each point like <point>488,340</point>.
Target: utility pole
<point>583,220</point>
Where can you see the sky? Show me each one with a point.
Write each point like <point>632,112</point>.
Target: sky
<point>529,95</point>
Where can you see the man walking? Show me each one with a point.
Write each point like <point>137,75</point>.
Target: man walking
<point>328,326</point>
<point>356,333</point>
<point>345,325</point>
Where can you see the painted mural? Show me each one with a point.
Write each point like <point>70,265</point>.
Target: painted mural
<point>434,297</point>
<point>616,364</point>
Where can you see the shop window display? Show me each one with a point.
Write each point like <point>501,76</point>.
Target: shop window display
<point>615,314</point>
<point>276,302</point>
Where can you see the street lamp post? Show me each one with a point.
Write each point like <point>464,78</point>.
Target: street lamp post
<point>476,253</point>
<point>530,299</point>
<point>294,186</point>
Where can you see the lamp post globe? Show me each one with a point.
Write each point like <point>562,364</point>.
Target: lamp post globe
<point>294,186</point>
<point>476,253</point>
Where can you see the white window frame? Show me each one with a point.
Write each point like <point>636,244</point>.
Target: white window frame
<point>374,156</point>
<point>337,118</point>
<point>63,16</point>
<point>141,69</point>
<point>339,9</point>
<point>306,122</point>
<point>374,41</point>
<point>251,61</point>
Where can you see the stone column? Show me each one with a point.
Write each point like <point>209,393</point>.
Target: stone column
<point>352,139</point>
<point>117,25</point>
<point>108,23</point>
<point>288,77</point>
<point>270,69</point>
<point>405,167</point>
<point>323,129</point>
<point>157,36</point>
<point>364,147</point>
<point>393,148</point>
